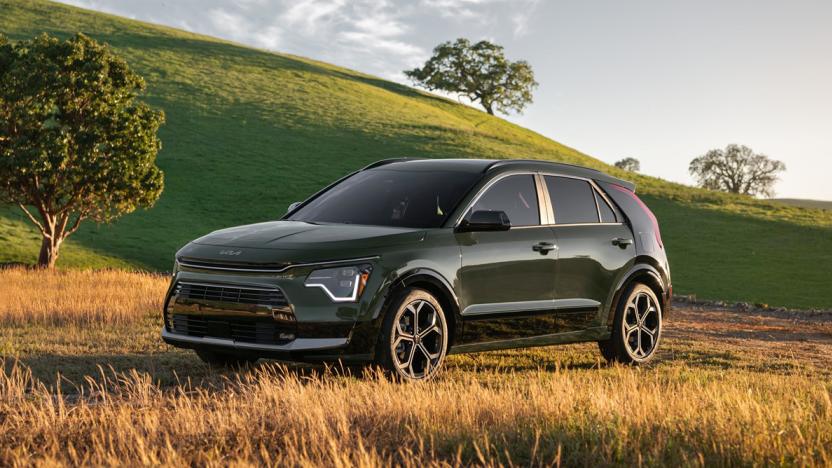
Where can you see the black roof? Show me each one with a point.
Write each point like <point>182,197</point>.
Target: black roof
<point>496,165</point>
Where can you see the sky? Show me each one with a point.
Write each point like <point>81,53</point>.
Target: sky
<point>661,81</point>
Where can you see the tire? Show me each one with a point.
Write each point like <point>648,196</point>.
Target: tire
<point>637,327</point>
<point>413,353</point>
<point>220,360</point>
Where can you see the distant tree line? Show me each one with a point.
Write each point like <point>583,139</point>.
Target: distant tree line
<point>735,169</point>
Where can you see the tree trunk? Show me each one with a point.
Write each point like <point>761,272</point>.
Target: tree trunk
<point>489,109</point>
<point>48,253</point>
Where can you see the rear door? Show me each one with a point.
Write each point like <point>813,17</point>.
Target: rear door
<point>506,282</point>
<point>595,249</point>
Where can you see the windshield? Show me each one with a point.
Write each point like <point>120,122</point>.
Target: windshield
<point>386,197</point>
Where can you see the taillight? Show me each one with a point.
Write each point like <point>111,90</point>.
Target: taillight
<point>646,211</point>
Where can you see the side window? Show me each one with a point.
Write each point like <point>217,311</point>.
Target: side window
<point>515,195</point>
<point>573,200</point>
<point>607,213</point>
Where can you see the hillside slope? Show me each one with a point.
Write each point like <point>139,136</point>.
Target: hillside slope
<point>806,203</point>
<point>248,132</point>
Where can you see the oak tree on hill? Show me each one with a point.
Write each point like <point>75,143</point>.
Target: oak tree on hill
<point>629,164</point>
<point>479,72</point>
<point>737,169</point>
<point>75,142</point>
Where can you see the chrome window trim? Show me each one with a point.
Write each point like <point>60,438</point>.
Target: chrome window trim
<point>542,204</point>
<point>593,186</point>
<point>591,182</point>
<point>545,201</point>
<point>277,270</point>
<point>490,183</point>
<point>477,197</point>
<point>615,211</point>
<point>549,209</point>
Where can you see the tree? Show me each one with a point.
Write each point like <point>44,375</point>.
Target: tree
<point>75,142</point>
<point>737,169</point>
<point>629,164</point>
<point>479,72</point>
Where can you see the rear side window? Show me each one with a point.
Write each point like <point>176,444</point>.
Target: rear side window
<point>516,196</point>
<point>573,200</point>
<point>607,213</point>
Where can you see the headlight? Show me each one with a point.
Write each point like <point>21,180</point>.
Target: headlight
<point>175,267</point>
<point>341,284</point>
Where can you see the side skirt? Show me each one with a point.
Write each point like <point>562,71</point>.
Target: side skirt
<point>590,334</point>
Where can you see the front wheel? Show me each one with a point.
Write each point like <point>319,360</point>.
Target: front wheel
<point>637,327</point>
<point>414,336</point>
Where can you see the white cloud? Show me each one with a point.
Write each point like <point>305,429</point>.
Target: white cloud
<point>380,37</point>
<point>520,20</point>
<point>312,15</point>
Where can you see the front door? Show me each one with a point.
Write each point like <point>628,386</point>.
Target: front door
<point>595,249</point>
<point>507,277</point>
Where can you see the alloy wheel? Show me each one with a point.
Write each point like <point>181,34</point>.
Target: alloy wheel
<point>418,342</point>
<point>642,325</point>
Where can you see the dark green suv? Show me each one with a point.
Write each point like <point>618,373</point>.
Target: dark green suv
<point>405,261</point>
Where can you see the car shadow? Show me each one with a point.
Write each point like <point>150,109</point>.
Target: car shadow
<point>73,374</point>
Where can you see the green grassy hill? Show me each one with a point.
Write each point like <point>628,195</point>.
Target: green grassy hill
<point>805,203</point>
<point>249,131</point>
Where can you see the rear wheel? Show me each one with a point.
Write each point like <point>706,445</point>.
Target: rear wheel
<point>637,327</point>
<point>219,359</point>
<point>414,336</point>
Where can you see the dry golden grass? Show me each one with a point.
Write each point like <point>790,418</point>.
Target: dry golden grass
<point>274,416</point>
<point>728,389</point>
<point>103,297</point>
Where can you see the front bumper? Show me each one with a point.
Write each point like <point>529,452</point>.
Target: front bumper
<point>296,345</point>
<point>307,327</point>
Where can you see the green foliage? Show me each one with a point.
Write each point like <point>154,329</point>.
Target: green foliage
<point>248,132</point>
<point>479,72</point>
<point>75,143</point>
<point>737,169</point>
<point>628,164</point>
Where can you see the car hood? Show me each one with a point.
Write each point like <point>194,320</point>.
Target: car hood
<point>279,241</point>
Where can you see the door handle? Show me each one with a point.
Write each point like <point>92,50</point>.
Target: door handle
<point>544,247</point>
<point>622,242</point>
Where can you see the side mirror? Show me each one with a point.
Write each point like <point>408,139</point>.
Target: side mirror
<point>485,221</point>
<point>293,206</point>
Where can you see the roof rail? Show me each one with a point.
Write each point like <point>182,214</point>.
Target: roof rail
<point>385,162</point>
<point>506,162</point>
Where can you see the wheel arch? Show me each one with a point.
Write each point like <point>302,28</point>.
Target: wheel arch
<point>643,271</point>
<point>436,284</point>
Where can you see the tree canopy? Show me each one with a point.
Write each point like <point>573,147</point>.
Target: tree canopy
<point>75,142</point>
<point>629,164</point>
<point>737,169</point>
<point>479,72</point>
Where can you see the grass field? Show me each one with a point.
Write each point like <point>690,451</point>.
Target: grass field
<point>84,388</point>
<point>816,204</point>
<point>248,132</point>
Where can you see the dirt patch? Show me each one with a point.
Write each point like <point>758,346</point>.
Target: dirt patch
<point>768,334</point>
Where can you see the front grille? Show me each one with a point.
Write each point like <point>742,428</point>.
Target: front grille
<point>233,266</point>
<point>249,330</point>
<point>231,294</point>
<point>240,313</point>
